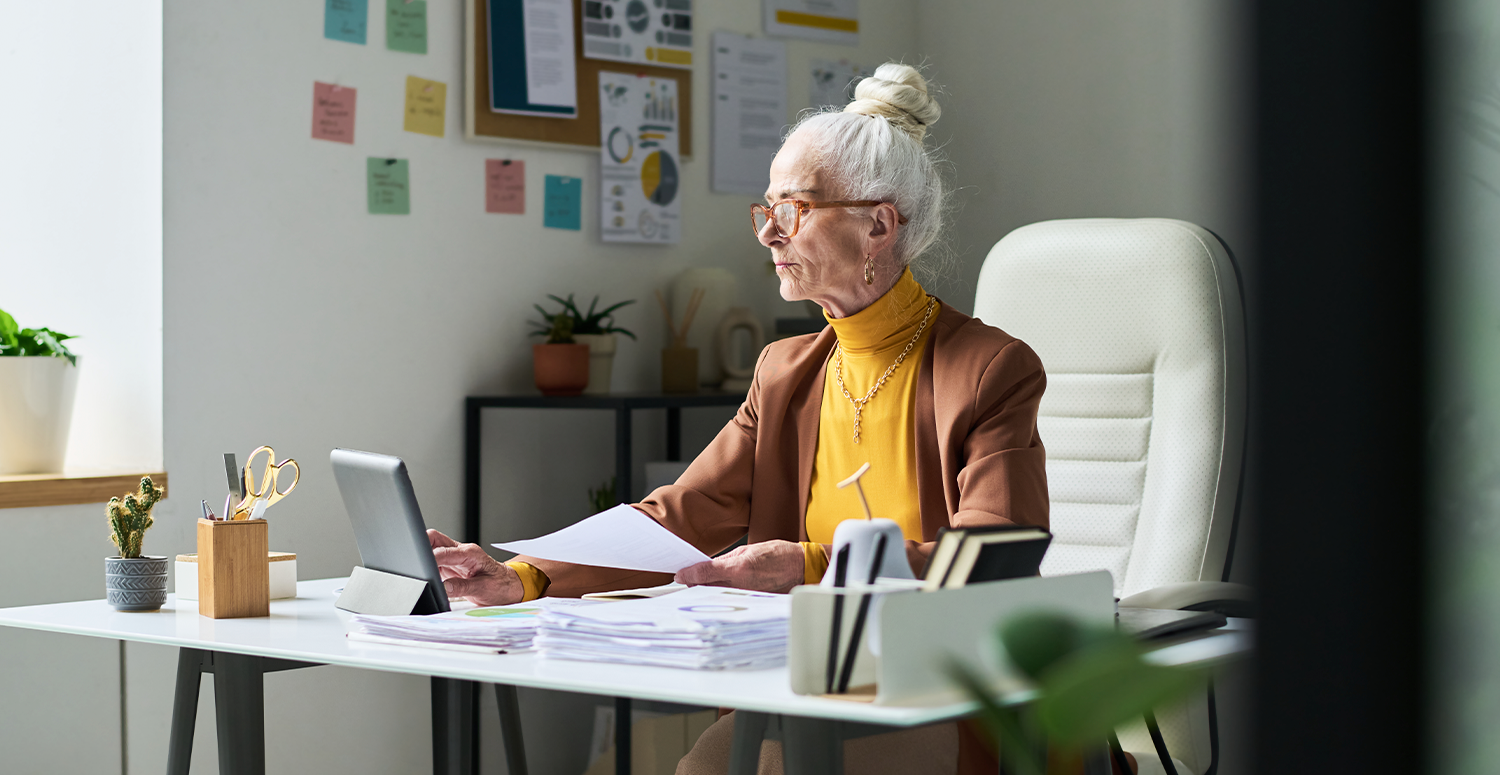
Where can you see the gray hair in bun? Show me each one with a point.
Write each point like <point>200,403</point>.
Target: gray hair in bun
<point>874,149</point>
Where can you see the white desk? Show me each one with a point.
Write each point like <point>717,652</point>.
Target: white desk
<point>309,630</point>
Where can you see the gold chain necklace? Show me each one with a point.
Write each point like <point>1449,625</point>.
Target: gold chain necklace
<point>838,368</point>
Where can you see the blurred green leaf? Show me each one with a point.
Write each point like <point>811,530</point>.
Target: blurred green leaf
<point>1004,724</point>
<point>1035,640</point>
<point>7,331</point>
<point>1088,694</point>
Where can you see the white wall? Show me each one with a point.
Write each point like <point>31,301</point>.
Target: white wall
<point>1081,108</point>
<point>81,211</point>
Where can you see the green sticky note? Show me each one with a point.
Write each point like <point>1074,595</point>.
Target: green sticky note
<point>390,189</point>
<point>406,25</point>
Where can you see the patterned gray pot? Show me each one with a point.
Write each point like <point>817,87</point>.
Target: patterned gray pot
<point>135,583</point>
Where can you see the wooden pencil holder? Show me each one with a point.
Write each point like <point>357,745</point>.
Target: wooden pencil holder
<point>234,573</point>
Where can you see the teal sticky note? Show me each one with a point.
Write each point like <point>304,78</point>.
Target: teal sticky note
<point>346,20</point>
<point>389,186</point>
<point>406,26</point>
<point>563,203</point>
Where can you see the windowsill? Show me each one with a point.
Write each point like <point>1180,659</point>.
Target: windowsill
<point>71,488</point>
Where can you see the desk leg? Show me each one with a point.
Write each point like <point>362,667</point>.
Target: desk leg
<point>674,433</point>
<point>240,707</point>
<point>453,726</point>
<point>185,710</point>
<point>749,733</point>
<point>622,456</point>
<point>812,746</point>
<point>622,736</point>
<point>510,729</point>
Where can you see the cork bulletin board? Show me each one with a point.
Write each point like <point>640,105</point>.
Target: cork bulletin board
<point>579,134</point>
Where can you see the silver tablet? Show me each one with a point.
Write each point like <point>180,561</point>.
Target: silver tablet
<point>388,525</point>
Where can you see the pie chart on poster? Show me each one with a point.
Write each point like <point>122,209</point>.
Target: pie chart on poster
<point>659,178</point>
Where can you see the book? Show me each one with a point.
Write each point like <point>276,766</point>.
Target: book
<point>965,556</point>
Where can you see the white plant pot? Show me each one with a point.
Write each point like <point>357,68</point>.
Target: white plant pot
<point>36,408</point>
<point>601,361</point>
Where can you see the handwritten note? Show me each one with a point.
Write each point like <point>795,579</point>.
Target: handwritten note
<point>426,106</point>
<point>564,203</point>
<point>346,20</point>
<point>333,112</point>
<point>406,25</point>
<point>504,186</point>
<point>389,186</point>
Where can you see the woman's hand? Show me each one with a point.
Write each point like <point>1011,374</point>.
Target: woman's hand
<point>469,572</point>
<point>767,566</point>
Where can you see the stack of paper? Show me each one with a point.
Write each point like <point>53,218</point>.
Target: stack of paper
<point>703,628</point>
<point>500,628</point>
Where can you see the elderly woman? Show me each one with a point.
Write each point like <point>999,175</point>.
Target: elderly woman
<point>942,406</point>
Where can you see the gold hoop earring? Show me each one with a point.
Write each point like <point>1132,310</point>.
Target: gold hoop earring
<point>869,270</point>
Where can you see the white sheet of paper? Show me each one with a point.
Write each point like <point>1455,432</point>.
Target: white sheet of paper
<point>829,21</point>
<point>749,111</point>
<point>550,76</point>
<point>620,537</point>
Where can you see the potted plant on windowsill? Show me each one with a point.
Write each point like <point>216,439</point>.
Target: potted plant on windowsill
<point>133,582</point>
<point>595,328</point>
<point>38,380</point>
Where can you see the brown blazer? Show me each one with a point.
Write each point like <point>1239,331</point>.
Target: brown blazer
<point>979,458</point>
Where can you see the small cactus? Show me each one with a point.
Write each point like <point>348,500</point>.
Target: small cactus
<point>129,518</point>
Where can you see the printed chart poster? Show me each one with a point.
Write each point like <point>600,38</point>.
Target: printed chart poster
<point>639,187</point>
<point>829,21</point>
<point>833,82</point>
<point>651,32</point>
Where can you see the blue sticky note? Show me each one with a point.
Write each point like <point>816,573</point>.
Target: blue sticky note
<point>563,203</point>
<point>346,20</point>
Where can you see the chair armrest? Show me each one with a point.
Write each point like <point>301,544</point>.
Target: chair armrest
<point>1221,596</point>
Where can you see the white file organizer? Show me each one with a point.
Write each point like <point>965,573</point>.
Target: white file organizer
<point>919,634</point>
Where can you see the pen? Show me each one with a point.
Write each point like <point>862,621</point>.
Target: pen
<point>206,513</point>
<point>859,618</point>
<point>839,574</point>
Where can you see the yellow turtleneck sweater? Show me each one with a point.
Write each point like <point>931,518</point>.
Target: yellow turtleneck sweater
<point>870,339</point>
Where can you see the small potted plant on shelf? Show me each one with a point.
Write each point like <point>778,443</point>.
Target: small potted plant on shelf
<point>560,366</point>
<point>38,381</point>
<point>133,582</point>
<point>595,328</point>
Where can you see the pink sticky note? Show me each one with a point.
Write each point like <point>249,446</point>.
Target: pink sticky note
<point>333,113</point>
<point>504,186</point>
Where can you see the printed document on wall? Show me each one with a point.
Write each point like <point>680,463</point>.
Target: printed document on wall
<point>639,180</point>
<point>829,21</point>
<point>550,75</point>
<point>833,82</point>
<point>750,101</point>
<point>651,32</point>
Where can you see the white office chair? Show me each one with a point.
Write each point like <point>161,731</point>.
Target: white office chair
<point>1140,326</point>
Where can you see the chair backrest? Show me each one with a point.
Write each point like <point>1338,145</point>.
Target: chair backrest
<point>1140,326</point>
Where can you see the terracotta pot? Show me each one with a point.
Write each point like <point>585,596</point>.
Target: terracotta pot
<point>560,369</point>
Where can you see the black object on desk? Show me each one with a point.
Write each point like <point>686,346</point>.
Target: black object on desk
<point>621,404</point>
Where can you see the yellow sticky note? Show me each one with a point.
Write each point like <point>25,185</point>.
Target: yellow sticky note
<point>426,106</point>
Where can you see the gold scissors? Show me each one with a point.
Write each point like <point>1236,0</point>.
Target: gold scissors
<point>266,490</point>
